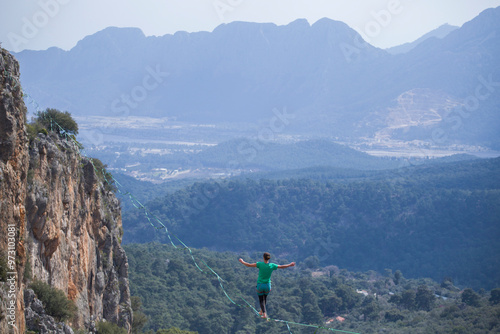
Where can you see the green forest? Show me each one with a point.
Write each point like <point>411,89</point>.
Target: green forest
<point>171,293</point>
<point>435,220</point>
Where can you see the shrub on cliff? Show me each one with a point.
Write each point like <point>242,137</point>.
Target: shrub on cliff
<point>139,319</point>
<point>34,129</point>
<point>3,268</point>
<point>104,176</point>
<point>51,118</point>
<point>104,327</point>
<point>55,302</point>
<point>174,330</point>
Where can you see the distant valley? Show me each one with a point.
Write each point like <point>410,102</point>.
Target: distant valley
<point>164,150</point>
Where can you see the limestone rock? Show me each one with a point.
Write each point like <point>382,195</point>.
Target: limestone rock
<point>13,180</point>
<point>38,320</point>
<point>67,222</point>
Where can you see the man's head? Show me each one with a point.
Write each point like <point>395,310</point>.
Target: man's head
<point>267,256</point>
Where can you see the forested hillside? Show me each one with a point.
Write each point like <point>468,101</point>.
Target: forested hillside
<point>174,293</point>
<point>429,221</point>
<point>263,155</point>
<point>348,168</point>
<point>239,156</point>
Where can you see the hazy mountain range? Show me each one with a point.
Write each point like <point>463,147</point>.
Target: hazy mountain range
<point>444,91</point>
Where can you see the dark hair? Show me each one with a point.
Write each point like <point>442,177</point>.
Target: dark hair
<point>267,256</point>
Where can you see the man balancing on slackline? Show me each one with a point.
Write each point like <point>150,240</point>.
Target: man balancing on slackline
<point>264,280</point>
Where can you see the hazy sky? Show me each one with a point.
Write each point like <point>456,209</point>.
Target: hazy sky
<point>39,24</point>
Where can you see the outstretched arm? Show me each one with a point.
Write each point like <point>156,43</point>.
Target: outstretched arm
<point>283,266</point>
<point>254,265</point>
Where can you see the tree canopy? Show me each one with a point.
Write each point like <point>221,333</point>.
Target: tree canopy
<point>178,296</point>
<point>51,117</point>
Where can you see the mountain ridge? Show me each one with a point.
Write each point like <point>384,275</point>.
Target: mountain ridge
<point>439,33</point>
<point>241,71</point>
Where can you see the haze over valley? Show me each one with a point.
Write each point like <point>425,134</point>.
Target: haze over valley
<point>189,91</point>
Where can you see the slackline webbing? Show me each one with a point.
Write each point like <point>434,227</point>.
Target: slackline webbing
<point>153,220</point>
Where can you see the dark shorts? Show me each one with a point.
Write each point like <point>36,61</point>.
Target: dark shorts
<point>263,289</point>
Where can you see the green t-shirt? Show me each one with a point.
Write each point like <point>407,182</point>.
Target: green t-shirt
<point>265,271</point>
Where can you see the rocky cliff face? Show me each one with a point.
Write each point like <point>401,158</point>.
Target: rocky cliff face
<point>74,232</point>
<point>13,176</point>
<point>69,222</point>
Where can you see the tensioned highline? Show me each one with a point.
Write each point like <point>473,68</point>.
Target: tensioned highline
<point>154,221</point>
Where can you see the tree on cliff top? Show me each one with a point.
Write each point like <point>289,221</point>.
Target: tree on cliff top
<point>51,118</point>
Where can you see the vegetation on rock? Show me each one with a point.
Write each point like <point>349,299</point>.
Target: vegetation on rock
<point>55,302</point>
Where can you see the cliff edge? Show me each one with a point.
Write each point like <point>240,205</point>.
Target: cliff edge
<point>13,184</point>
